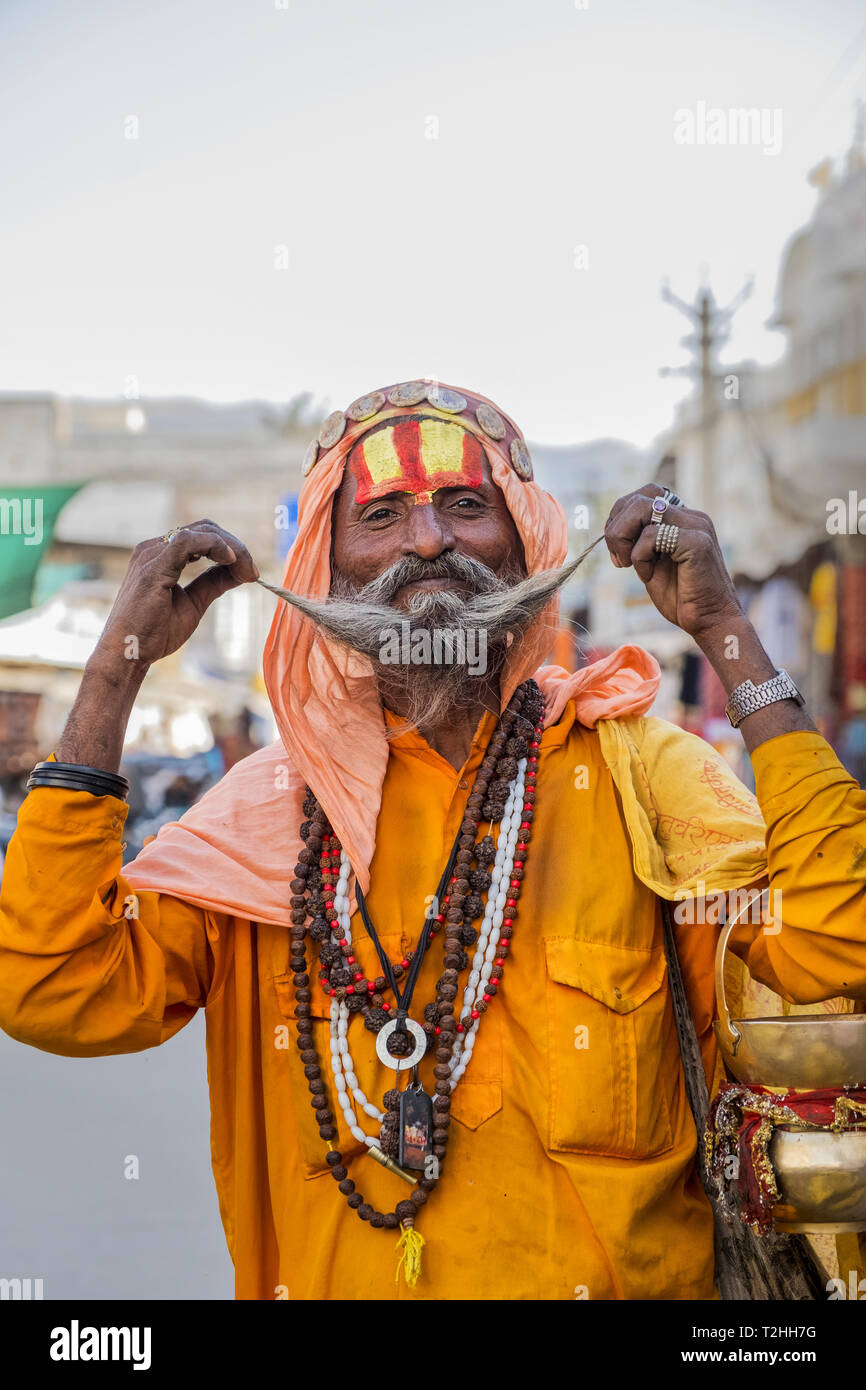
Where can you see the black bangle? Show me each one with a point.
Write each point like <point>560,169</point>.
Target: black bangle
<point>75,777</point>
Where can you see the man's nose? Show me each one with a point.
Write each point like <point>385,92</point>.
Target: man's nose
<point>427,533</point>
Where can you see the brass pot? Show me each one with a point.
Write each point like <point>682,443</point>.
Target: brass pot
<point>821,1180</point>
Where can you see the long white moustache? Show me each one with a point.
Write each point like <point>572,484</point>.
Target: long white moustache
<point>401,644</point>
<point>534,590</point>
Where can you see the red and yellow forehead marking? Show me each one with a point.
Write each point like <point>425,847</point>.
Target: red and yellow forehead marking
<point>416,456</point>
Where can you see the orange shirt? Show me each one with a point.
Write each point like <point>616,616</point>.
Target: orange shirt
<point>570,1168</point>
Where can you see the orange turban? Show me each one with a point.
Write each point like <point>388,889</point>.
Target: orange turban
<point>234,850</point>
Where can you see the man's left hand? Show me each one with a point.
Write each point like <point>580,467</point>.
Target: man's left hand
<point>691,587</point>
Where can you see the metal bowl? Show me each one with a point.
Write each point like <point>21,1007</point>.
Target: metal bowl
<point>821,1180</point>
<point>805,1052</point>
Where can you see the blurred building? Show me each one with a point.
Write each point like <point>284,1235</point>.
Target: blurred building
<point>142,466</point>
<point>106,475</point>
<point>779,461</point>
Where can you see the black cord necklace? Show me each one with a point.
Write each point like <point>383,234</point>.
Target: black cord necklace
<point>404,997</point>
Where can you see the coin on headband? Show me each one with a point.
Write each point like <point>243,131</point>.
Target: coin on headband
<point>310,458</point>
<point>490,421</point>
<point>332,429</point>
<point>408,393</point>
<point>443,398</point>
<point>521,459</point>
<point>365,406</point>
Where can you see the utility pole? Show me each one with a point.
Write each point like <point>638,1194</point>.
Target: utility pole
<point>712,330</point>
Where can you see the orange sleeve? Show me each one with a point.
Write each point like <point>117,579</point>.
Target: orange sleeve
<point>815,815</point>
<point>87,967</point>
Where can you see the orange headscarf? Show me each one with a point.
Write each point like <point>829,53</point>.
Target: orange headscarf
<point>234,850</point>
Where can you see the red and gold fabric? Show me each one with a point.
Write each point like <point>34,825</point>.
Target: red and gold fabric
<point>740,1126</point>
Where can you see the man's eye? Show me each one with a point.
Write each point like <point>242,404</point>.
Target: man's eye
<point>472,503</point>
<point>380,514</point>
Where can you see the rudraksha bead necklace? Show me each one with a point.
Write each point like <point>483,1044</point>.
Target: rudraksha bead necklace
<point>503,793</point>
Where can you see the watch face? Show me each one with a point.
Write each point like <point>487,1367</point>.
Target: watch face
<point>736,710</point>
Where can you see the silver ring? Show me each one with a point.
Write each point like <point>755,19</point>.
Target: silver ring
<point>401,1063</point>
<point>666,539</point>
<point>659,507</point>
<point>673,498</point>
<point>169,537</point>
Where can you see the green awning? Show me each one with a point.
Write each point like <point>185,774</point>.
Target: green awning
<point>27,520</point>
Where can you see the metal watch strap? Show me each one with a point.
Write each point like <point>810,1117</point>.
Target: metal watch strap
<point>748,697</point>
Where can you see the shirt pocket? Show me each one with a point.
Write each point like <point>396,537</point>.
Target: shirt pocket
<point>610,1026</point>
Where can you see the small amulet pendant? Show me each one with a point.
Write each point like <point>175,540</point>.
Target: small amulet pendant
<point>416,1128</point>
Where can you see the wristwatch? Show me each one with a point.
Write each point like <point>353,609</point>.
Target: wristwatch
<point>748,697</point>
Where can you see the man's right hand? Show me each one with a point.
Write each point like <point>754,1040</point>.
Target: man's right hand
<point>153,615</point>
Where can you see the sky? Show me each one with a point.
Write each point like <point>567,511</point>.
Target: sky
<point>258,197</point>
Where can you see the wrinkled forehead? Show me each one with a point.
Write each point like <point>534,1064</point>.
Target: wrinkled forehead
<point>417,454</point>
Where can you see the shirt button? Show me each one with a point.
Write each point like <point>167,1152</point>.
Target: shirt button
<point>463,784</point>
<point>617,992</point>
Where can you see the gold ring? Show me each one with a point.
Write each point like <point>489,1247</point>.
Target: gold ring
<point>170,535</point>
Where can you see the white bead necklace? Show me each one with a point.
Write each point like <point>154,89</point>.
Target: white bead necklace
<point>488,936</point>
<point>341,1058</point>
